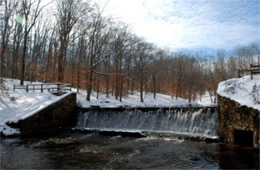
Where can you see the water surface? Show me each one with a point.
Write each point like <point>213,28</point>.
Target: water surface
<point>73,150</point>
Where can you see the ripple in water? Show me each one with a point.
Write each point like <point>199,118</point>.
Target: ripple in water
<point>84,151</point>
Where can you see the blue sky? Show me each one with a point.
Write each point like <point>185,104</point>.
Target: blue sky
<point>190,24</point>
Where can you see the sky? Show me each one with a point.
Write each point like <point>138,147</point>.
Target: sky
<point>189,24</point>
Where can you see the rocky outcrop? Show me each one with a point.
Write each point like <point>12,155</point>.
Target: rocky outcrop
<point>235,118</point>
<point>59,114</point>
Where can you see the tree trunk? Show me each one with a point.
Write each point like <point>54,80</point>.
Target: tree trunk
<point>90,84</point>
<point>121,88</point>
<point>60,64</point>
<point>55,62</point>
<point>49,64</point>
<point>23,57</point>
<point>132,86</point>
<point>97,86</point>
<point>141,89</point>
<point>107,84</point>
<point>78,76</point>
<point>154,86</point>
<point>117,84</point>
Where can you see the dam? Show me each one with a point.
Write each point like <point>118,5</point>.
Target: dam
<point>188,121</point>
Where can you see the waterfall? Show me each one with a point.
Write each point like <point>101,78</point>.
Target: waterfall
<point>188,121</point>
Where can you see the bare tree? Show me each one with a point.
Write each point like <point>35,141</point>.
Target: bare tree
<point>68,14</point>
<point>143,59</point>
<point>6,25</point>
<point>99,35</point>
<point>31,10</point>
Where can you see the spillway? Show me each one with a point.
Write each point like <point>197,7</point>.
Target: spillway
<point>199,122</point>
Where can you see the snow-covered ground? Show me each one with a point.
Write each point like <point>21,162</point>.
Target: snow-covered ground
<point>18,104</point>
<point>132,101</point>
<point>243,90</point>
<point>205,100</point>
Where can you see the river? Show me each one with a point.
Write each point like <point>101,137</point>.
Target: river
<point>81,150</point>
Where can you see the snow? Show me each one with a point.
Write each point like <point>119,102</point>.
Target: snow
<point>132,101</point>
<point>242,90</point>
<point>6,130</point>
<point>206,101</point>
<point>19,104</point>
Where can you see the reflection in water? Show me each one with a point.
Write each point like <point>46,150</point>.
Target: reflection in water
<point>92,151</point>
<point>237,157</point>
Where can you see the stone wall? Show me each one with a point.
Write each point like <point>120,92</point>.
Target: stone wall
<point>233,116</point>
<point>59,114</point>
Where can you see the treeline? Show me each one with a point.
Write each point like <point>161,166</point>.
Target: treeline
<point>71,41</point>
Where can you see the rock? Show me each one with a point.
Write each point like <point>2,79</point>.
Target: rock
<point>233,116</point>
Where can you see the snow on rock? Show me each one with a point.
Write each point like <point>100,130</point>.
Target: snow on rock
<point>242,90</point>
<point>7,131</point>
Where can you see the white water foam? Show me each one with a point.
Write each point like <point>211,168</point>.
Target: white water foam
<point>187,121</point>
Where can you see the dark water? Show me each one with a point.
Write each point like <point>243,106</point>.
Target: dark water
<point>72,150</point>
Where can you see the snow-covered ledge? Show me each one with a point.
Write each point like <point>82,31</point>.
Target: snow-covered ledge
<point>239,110</point>
<point>242,90</point>
<point>59,113</point>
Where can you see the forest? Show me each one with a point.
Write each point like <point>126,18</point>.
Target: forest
<point>74,42</point>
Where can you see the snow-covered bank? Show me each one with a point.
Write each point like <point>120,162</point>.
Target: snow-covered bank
<point>242,90</point>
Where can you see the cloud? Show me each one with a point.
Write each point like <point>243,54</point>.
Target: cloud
<point>190,24</point>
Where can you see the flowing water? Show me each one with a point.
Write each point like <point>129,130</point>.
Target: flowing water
<point>83,150</point>
<point>75,150</point>
<point>200,122</point>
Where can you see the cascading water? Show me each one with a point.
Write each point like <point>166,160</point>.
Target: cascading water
<point>201,122</point>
